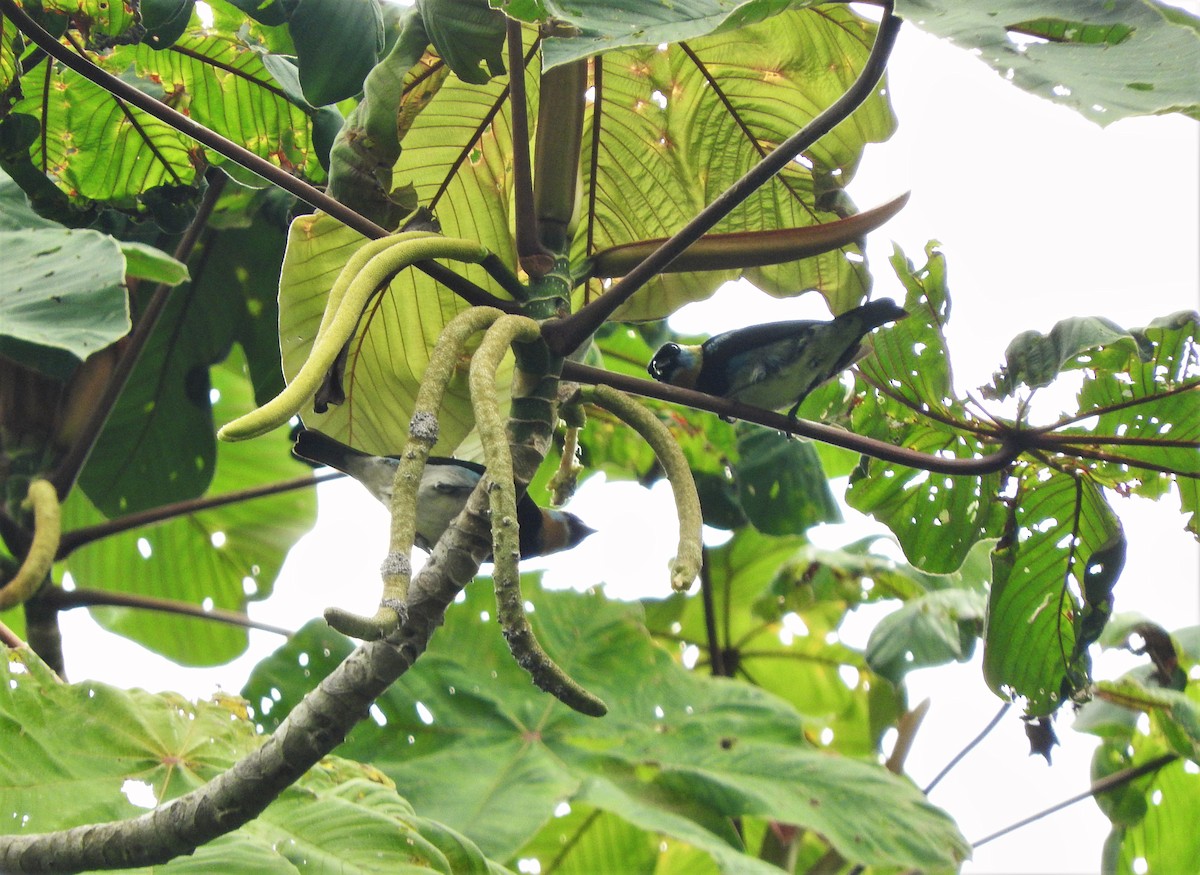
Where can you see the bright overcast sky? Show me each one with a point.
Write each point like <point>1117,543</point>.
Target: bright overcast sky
<point>1041,215</point>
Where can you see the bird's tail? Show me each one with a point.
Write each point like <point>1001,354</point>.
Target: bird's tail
<point>324,450</point>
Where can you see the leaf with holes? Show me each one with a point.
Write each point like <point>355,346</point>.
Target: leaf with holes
<point>1105,61</point>
<point>1056,525</point>
<point>62,297</point>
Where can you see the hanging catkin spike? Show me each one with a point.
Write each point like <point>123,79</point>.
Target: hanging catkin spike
<point>510,605</point>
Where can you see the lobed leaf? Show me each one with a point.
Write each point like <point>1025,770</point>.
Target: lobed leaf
<point>678,126</point>
<point>340,815</point>
<point>678,754</point>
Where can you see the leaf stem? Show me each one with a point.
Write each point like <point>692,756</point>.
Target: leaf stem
<point>533,258</point>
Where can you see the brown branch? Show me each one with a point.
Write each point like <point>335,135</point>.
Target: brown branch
<point>533,258</point>
<point>72,541</point>
<point>1010,447</point>
<point>1112,458</point>
<point>67,600</point>
<point>566,335</point>
<point>1120,405</point>
<point>9,638</point>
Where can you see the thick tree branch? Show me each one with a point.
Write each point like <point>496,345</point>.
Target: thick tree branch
<point>566,335</point>
<point>317,724</point>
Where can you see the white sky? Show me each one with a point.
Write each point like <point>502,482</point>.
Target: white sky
<point>1042,215</point>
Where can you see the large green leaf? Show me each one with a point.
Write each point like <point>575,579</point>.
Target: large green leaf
<point>62,297</point>
<point>158,445</point>
<point>931,630</point>
<point>388,356</point>
<point>468,34</point>
<point>1107,61</point>
<point>94,147</point>
<point>677,754</point>
<point>223,557</point>
<point>937,518</point>
<point>1035,359</point>
<point>337,44</point>
<point>1152,406</point>
<point>1151,815</point>
<point>604,25</point>
<point>677,127</point>
<point>90,753</point>
<point>778,604</point>
<point>781,484</point>
<point>1057,526</point>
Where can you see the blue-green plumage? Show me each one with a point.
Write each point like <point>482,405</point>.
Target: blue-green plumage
<point>774,365</point>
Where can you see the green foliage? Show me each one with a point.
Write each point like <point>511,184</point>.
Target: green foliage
<point>1149,815</point>
<point>1106,61</point>
<point>677,754</point>
<point>63,297</point>
<point>223,557</point>
<point>132,750</point>
<point>688,772</point>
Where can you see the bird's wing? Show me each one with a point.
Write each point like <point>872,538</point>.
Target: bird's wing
<point>748,356</point>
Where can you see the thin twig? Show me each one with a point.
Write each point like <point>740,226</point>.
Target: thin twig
<point>72,541</point>
<point>1114,780</point>
<point>66,600</point>
<point>971,745</point>
<point>716,653</point>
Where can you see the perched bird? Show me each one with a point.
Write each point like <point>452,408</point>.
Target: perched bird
<point>445,487</point>
<point>774,364</point>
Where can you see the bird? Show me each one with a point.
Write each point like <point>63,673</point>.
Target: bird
<point>774,364</point>
<point>445,486</point>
